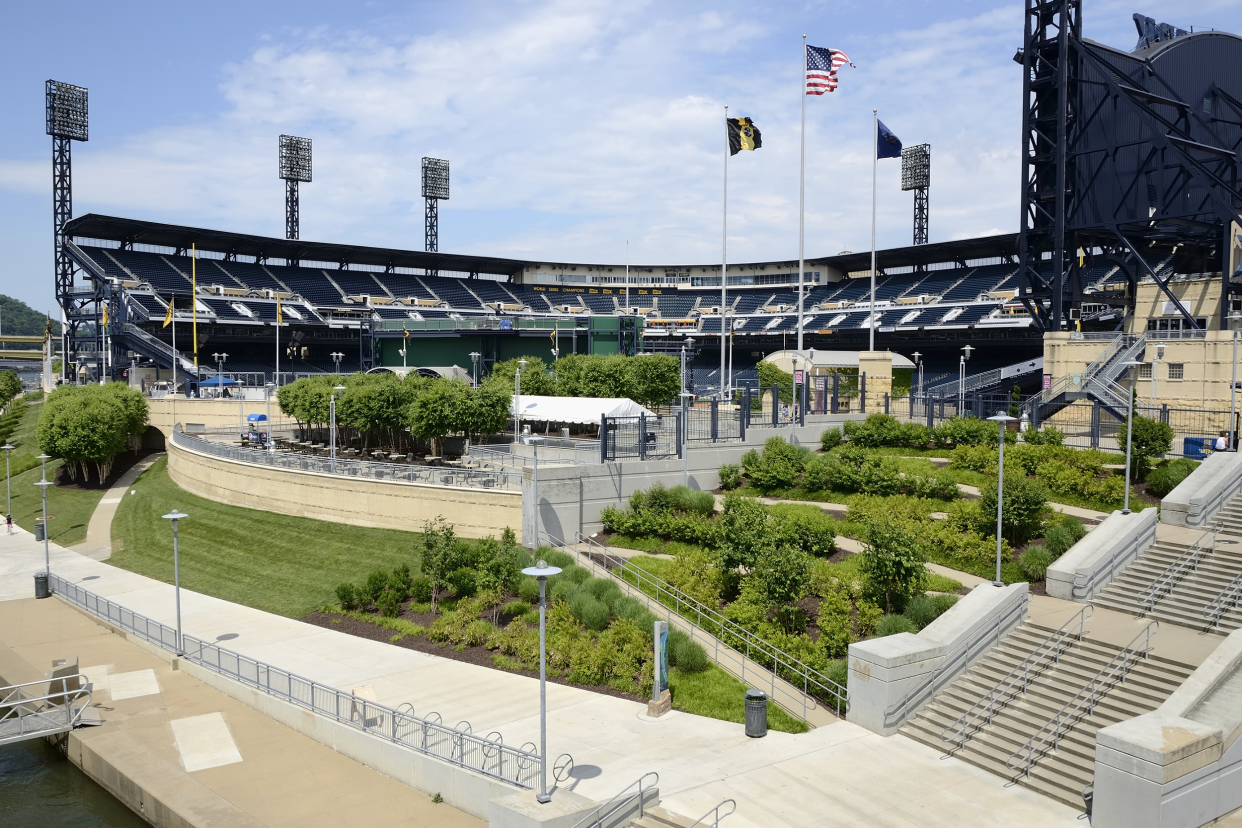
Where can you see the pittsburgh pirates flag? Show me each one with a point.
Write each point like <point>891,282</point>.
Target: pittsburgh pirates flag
<point>743,135</point>
<point>168,316</point>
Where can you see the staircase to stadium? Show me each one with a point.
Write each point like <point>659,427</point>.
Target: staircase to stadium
<point>1196,585</point>
<point>1098,381</point>
<point>1041,687</point>
<point>947,386</point>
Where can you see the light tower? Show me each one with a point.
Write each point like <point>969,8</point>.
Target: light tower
<point>295,166</point>
<point>435,187</point>
<point>916,175</point>
<point>67,121</point>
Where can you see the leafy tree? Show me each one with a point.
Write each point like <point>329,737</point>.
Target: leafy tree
<point>770,375</point>
<point>1150,438</point>
<point>536,380</point>
<point>22,320</point>
<point>10,387</point>
<point>488,409</point>
<point>442,408</point>
<point>441,555</point>
<point>747,532</point>
<point>654,379</point>
<point>1021,512</point>
<point>781,576</point>
<point>90,424</point>
<point>606,377</point>
<point>892,562</point>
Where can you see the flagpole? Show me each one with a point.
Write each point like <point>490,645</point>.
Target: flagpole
<point>627,275</point>
<point>172,315</point>
<point>276,376</point>
<point>802,196</point>
<point>875,163</point>
<point>194,300</point>
<point>724,257</point>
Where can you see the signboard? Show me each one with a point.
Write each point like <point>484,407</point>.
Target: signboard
<point>660,685</point>
<point>506,324</point>
<point>1047,381</point>
<point>798,376</point>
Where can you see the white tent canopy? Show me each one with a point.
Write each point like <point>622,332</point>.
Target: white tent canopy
<point>821,359</point>
<point>577,409</point>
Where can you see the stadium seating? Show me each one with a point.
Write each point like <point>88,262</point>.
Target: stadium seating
<point>675,307</point>
<point>453,291</point>
<point>152,269</point>
<point>312,286</point>
<point>405,287</point>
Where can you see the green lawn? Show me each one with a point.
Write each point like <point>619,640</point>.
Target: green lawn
<point>26,446</point>
<point>284,565</point>
<point>718,695</point>
<point>70,510</point>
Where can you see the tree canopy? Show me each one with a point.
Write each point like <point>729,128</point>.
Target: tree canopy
<point>90,424</point>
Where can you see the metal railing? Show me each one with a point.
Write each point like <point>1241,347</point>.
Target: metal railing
<point>715,814</point>
<point>620,804</point>
<point>950,387</point>
<point>732,644</point>
<point>1226,600</point>
<point>1163,583</point>
<point>185,366</point>
<point>1005,689</point>
<point>957,661</point>
<point>41,708</point>
<point>346,467</point>
<point>1073,710</point>
<point>425,734</point>
<point>1083,585</point>
<point>585,452</point>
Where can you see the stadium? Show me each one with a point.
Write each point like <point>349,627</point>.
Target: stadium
<point>921,510</point>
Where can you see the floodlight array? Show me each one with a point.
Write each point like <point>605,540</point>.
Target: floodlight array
<point>295,158</point>
<point>435,178</point>
<point>916,167</point>
<point>67,111</point>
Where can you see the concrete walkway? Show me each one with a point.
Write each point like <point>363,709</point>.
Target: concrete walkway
<point>173,743</point>
<point>98,543</point>
<point>839,775</point>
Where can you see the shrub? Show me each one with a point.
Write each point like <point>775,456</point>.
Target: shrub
<point>377,582</point>
<point>893,624</point>
<point>838,671</point>
<point>420,589</point>
<point>528,590</point>
<point>463,582</point>
<point>806,528</point>
<point>942,603</point>
<point>631,609</point>
<point>686,654</point>
<point>892,562</point>
<point>401,582</point>
<point>1149,439</point>
<point>964,431</point>
<point>1047,436</point>
<point>1164,479</point>
<point>347,596</point>
<point>835,633</point>
<point>389,604</point>
<point>556,557</point>
<point>592,612</point>
<point>1034,562</point>
<point>605,591</point>
<point>920,610</point>
<point>915,435</point>
<point>1021,512</point>
<point>1058,540</point>
<point>730,476</point>
<point>516,609</point>
<point>777,467</point>
<point>830,439</point>
<point>875,431</point>
<point>689,501</point>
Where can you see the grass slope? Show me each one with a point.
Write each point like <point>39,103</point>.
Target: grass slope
<point>70,509</point>
<point>284,565</point>
<point>718,695</point>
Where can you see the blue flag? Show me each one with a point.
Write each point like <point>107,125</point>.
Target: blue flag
<point>889,144</point>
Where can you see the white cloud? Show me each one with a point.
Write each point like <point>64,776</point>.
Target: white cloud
<point>603,117</point>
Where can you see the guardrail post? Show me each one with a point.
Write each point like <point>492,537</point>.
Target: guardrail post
<point>742,415</point>
<point>603,438</point>
<point>642,436</point>
<point>836,392</point>
<point>776,406</point>
<point>680,426</point>
<point>1164,413</point>
<point>804,397</point>
<point>862,392</point>
<point>1095,424</point>
<point>886,402</point>
<point>715,420</point>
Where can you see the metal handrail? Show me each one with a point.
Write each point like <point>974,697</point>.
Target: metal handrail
<point>596,820</point>
<point>896,715</point>
<point>1225,600</point>
<point>426,734</point>
<point>1080,588</point>
<point>1087,696</point>
<point>757,650</point>
<point>1163,583</point>
<point>346,467</point>
<point>1022,673</point>
<point>715,813</point>
<point>38,713</point>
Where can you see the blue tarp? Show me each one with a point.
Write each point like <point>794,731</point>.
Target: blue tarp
<point>216,382</point>
<point>257,418</point>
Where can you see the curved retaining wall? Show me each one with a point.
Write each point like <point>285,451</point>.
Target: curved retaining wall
<point>385,504</point>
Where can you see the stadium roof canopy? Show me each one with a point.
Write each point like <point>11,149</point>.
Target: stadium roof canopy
<point>135,231</point>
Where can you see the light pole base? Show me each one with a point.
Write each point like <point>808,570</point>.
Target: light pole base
<point>543,798</point>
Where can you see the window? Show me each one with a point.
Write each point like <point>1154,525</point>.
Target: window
<point>1144,371</point>
<point>1176,370</point>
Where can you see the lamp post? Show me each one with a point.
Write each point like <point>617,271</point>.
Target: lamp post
<point>270,387</point>
<point>8,474</point>
<point>336,392</point>
<point>337,356</point>
<point>404,366</point>
<point>43,484</point>
<point>919,362</point>
<point>517,401</point>
<point>1155,369</point>
<point>1002,420</point>
<point>686,396</point>
<point>541,572</point>
<point>220,358</point>
<point>1125,508</point>
<point>175,516</point>
<point>961,379</point>
<point>1234,319</point>
<point>474,366</point>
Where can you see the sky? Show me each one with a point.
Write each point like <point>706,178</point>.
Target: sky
<point>571,127</point>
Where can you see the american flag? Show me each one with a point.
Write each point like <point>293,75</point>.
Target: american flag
<point>821,69</point>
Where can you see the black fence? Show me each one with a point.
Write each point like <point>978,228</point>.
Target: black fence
<point>661,436</point>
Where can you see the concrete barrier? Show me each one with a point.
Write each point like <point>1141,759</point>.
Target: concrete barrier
<point>1091,563</point>
<point>1178,766</point>
<point>384,504</point>
<point>890,678</point>
<point>1204,491</point>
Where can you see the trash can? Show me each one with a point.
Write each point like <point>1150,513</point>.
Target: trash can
<point>40,528</point>
<point>41,585</point>
<point>756,713</point>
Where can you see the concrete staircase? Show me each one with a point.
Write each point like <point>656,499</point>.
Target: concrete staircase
<point>1230,517</point>
<point>1063,774</point>
<point>1195,590</point>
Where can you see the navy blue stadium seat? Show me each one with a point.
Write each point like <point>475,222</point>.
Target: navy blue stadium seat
<point>151,268</point>
<point>253,276</point>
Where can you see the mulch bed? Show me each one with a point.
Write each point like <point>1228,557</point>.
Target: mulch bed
<point>480,656</point>
<point>123,463</point>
